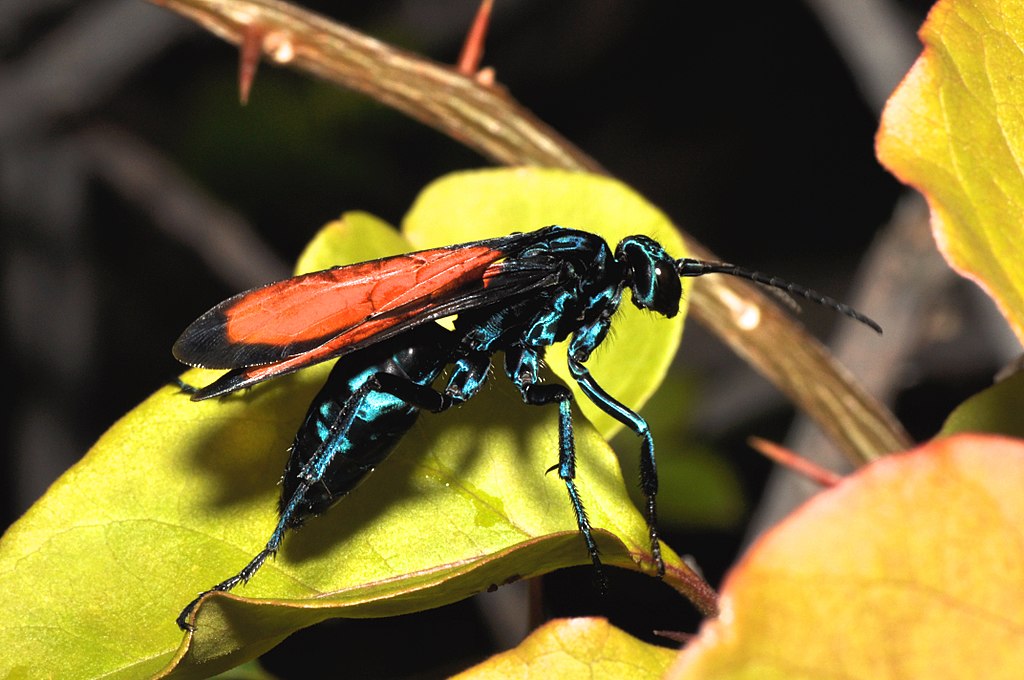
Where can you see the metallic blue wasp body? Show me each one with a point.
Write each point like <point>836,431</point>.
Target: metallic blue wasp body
<point>528,292</point>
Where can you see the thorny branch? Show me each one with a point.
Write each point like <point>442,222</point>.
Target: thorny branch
<point>487,119</point>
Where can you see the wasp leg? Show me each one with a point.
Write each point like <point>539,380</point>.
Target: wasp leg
<point>312,472</point>
<point>242,576</point>
<point>184,386</point>
<point>522,366</point>
<point>648,465</point>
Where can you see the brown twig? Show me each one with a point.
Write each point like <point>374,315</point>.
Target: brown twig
<point>486,119</point>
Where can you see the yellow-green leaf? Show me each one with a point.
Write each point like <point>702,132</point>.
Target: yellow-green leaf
<point>179,495</point>
<point>955,131</point>
<point>575,648</point>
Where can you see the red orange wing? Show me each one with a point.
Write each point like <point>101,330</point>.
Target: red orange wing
<point>291,317</point>
<point>284,326</point>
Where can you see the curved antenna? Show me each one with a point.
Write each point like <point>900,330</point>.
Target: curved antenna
<point>691,267</point>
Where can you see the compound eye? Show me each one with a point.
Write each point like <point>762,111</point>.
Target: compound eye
<point>667,288</point>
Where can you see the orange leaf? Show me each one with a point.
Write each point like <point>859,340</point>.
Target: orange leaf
<point>911,568</point>
<point>954,129</point>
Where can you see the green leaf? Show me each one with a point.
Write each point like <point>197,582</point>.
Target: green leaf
<point>995,410</point>
<point>178,495</point>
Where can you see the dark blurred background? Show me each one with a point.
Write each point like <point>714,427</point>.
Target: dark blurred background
<point>750,124</point>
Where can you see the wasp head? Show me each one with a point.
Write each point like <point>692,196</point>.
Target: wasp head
<point>650,274</point>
